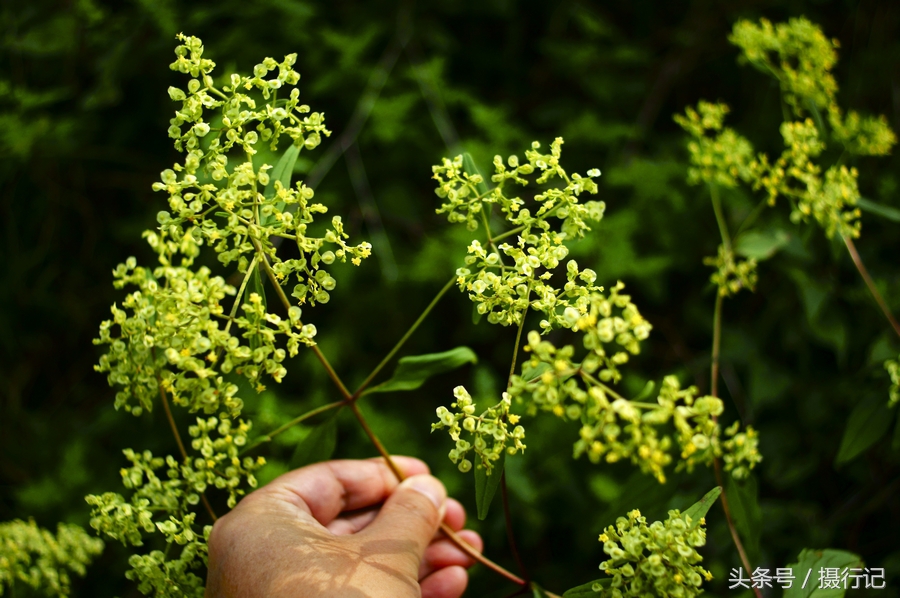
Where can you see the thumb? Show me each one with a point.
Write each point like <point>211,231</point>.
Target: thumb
<point>408,520</point>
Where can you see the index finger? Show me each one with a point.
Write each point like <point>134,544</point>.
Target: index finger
<point>325,490</point>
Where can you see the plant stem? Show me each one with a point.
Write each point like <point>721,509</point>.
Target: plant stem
<point>300,418</point>
<point>165,404</point>
<point>857,261</point>
<point>509,233</point>
<point>240,293</point>
<point>512,367</point>
<point>714,381</point>
<point>507,514</point>
<point>720,217</point>
<point>734,535</point>
<point>451,535</point>
<point>460,543</point>
<point>716,346</point>
<point>402,341</point>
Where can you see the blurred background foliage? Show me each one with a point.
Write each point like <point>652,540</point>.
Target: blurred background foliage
<point>83,114</point>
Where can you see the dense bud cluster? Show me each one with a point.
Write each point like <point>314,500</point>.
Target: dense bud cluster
<point>183,333</point>
<point>659,559</point>
<point>732,274</point>
<point>44,561</point>
<point>501,279</point>
<point>505,281</point>
<point>490,431</point>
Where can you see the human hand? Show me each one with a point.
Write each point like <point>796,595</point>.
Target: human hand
<point>323,531</point>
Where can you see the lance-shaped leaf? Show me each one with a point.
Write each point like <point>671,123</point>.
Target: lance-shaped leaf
<point>744,502</point>
<point>486,485</point>
<point>884,211</point>
<point>255,285</point>
<point>761,244</point>
<point>412,371</point>
<point>588,590</point>
<point>868,422</point>
<point>698,510</point>
<point>471,169</point>
<point>807,571</point>
<point>283,171</point>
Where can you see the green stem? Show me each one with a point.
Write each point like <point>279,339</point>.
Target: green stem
<point>240,293</point>
<point>512,367</point>
<point>716,347</point>
<point>184,455</point>
<point>720,217</point>
<point>299,419</point>
<point>509,233</point>
<point>403,339</point>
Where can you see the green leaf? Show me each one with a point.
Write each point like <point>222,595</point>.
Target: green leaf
<point>470,168</point>
<point>255,285</point>
<point>868,422</point>
<point>532,373</point>
<point>537,591</point>
<point>476,317</point>
<point>318,445</point>
<point>761,244</point>
<point>587,590</point>
<point>646,391</point>
<point>413,370</point>
<point>486,485</point>
<point>283,171</point>
<point>745,511</point>
<point>806,572</point>
<point>876,208</point>
<point>698,510</point>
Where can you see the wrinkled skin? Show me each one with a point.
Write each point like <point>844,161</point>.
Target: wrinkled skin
<point>341,528</point>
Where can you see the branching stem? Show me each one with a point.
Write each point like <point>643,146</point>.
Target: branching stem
<point>362,387</point>
<point>451,535</point>
<point>299,419</point>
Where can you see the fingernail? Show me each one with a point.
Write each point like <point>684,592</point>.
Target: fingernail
<point>429,486</point>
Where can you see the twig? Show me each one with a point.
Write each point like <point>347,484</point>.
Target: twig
<point>300,418</point>
<point>362,387</point>
<point>458,541</point>
<point>717,466</point>
<point>184,455</point>
<point>857,261</point>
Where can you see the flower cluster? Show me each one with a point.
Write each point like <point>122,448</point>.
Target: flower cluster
<point>732,274</point>
<point>165,506</point>
<point>740,450</point>
<point>42,560</point>
<point>501,279</point>
<point>718,155</point>
<point>659,559</point>
<point>796,53</point>
<point>489,431</point>
<point>801,58</point>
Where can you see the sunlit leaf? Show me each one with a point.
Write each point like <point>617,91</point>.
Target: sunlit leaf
<point>412,371</point>
<point>486,485</point>
<point>868,422</point>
